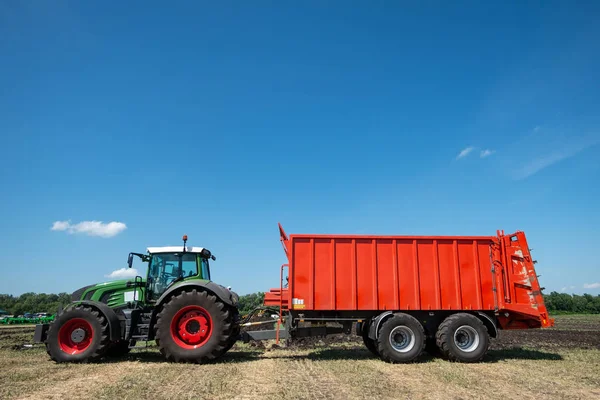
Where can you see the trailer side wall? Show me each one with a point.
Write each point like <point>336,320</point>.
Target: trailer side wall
<point>390,273</point>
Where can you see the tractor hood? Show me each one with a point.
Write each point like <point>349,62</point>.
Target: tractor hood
<point>86,292</point>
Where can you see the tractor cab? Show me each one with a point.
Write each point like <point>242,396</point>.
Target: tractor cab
<point>172,264</point>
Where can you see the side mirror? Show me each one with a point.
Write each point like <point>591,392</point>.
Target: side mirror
<point>130,260</point>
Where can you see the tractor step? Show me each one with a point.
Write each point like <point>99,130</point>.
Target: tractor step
<point>137,324</point>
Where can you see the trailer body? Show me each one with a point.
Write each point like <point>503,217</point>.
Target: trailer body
<point>358,275</point>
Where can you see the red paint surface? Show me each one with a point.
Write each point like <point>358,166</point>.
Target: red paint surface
<point>189,317</point>
<point>64,336</point>
<point>359,272</point>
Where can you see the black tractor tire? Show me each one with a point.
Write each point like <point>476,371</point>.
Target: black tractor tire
<point>235,332</point>
<point>79,334</point>
<point>463,337</point>
<point>401,339</point>
<point>369,343</point>
<point>207,317</point>
<point>118,349</point>
<point>232,340</point>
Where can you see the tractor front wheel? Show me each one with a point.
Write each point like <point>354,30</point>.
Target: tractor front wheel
<point>79,334</point>
<point>193,327</point>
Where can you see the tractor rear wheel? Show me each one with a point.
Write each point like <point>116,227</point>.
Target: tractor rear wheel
<point>193,327</point>
<point>235,332</point>
<point>79,334</point>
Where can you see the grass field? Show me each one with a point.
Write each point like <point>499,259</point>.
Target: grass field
<point>562,362</point>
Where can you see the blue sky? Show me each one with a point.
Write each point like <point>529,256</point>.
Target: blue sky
<point>218,121</point>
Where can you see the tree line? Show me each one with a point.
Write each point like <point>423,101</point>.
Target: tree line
<point>33,303</point>
<point>580,304</point>
<point>42,302</point>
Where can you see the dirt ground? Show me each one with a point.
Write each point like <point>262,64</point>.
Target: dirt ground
<point>587,328</point>
<point>562,362</point>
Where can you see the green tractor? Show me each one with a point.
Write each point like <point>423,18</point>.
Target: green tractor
<point>191,318</point>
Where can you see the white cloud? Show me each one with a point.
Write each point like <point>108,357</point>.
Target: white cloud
<point>567,288</point>
<point>465,152</point>
<point>595,285</point>
<point>60,226</point>
<point>486,153</point>
<point>90,228</point>
<point>123,273</point>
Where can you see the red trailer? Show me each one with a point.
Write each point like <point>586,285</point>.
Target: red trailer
<point>407,294</point>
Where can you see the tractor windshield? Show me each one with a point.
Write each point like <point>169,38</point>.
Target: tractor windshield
<point>165,268</point>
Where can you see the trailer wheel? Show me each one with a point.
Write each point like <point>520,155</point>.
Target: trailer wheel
<point>401,339</point>
<point>369,343</point>
<point>193,327</point>
<point>463,337</point>
<point>79,334</point>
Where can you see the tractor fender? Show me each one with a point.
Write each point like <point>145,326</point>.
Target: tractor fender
<point>114,324</point>
<point>228,297</point>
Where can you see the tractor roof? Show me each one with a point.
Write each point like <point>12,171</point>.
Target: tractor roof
<point>174,249</point>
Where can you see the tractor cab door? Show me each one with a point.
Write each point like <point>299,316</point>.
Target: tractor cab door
<point>167,268</point>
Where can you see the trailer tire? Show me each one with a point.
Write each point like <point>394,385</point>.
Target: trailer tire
<point>369,343</point>
<point>80,334</point>
<point>401,339</point>
<point>463,337</point>
<point>194,327</point>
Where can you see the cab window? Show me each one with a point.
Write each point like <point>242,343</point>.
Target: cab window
<point>205,268</point>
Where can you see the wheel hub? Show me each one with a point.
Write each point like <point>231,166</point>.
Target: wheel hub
<point>75,336</point>
<point>466,338</point>
<point>402,339</point>
<point>78,335</point>
<point>191,327</point>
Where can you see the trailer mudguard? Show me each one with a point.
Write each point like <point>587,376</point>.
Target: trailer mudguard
<point>114,324</point>
<point>228,297</point>
<point>490,324</point>
<point>374,327</point>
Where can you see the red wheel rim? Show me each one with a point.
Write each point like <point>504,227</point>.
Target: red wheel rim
<point>75,336</point>
<point>191,327</point>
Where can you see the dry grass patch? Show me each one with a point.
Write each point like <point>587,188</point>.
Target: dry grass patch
<point>529,365</point>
